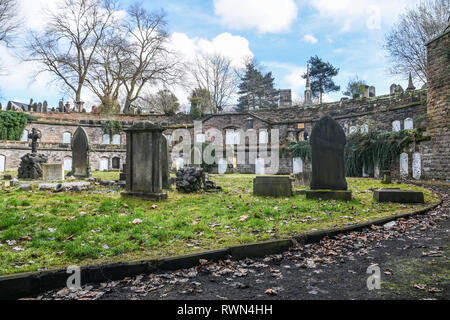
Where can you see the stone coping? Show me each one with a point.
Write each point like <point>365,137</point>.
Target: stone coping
<point>28,284</point>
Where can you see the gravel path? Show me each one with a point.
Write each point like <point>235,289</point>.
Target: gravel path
<point>413,257</point>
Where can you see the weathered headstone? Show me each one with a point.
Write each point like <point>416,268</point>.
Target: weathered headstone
<point>52,172</point>
<point>417,166</point>
<point>144,162</point>
<point>165,163</point>
<point>272,186</point>
<point>328,168</point>
<point>80,154</point>
<point>404,166</point>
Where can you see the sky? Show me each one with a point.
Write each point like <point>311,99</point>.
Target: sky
<point>280,34</point>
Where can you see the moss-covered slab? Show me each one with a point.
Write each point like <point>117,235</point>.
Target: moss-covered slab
<point>269,186</point>
<point>398,196</point>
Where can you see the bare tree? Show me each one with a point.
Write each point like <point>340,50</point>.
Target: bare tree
<point>215,73</point>
<point>148,58</point>
<point>72,35</point>
<point>105,77</point>
<point>162,102</point>
<point>9,22</point>
<point>405,43</point>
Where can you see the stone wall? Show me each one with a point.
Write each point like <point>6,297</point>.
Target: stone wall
<point>438,106</point>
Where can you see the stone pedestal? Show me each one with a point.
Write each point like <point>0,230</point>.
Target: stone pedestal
<point>52,172</point>
<point>144,162</point>
<point>31,166</point>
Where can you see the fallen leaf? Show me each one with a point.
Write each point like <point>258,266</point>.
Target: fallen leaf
<point>243,218</point>
<point>137,221</point>
<point>271,292</point>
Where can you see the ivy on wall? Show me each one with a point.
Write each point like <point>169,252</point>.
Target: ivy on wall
<point>301,149</point>
<point>380,148</point>
<point>112,127</point>
<point>12,124</point>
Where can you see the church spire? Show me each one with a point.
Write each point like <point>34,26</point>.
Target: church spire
<point>410,85</point>
<point>308,91</point>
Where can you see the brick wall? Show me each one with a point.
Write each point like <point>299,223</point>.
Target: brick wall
<point>438,106</point>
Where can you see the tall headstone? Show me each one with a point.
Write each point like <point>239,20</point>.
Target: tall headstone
<point>165,163</point>
<point>328,167</point>
<point>144,162</point>
<point>80,154</point>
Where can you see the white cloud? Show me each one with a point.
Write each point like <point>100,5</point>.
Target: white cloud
<point>310,39</point>
<point>369,14</point>
<point>233,47</point>
<point>266,16</point>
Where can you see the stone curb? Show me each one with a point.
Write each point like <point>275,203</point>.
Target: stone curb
<point>28,284</point>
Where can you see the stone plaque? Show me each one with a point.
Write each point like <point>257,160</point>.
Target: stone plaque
<point>297,165</point>
<point>80,154</point>
<point>52,172</point>
<point>328,169</point>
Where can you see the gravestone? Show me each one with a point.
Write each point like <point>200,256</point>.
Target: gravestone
<point>80,154</point>
<point>260,166</point>
<point>144,162</point>
<point>272,186</point>
<point>398,196</point>
<point>417,166</point>
<point>297,164</point>
<point>328,168</point>
<point>404,166</point>
<point>52,172</point>
<point>223,166</point>
<point>165,163</point>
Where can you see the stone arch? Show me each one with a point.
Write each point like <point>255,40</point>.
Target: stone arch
<point>263,136</point>
<point>106,139</point>
<point>115,163</point>
<point>67,137</point>
<point>67,164</point>
<point>117,139</point>
<point>409,124</point>
<point>24,137</point>
<point>104,164</point>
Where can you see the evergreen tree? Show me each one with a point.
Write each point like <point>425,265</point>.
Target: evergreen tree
<point>201,102</point>
<point>256,90</point>
<point>321,74</point>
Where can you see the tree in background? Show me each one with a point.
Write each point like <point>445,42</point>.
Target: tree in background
<point>405,43</point>
<point>215,73</point>
<point>8,20</point>
<point>355,88</point>
<point>72,35</point>
<point>256,90</point>
<point>147,56</point>
<point>201,102</point>
<point>164,101</point>
<point>321,74</point>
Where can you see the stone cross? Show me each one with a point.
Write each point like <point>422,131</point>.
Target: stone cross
<point>34,136</point>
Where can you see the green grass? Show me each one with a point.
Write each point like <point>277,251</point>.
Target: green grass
<point>57,230</point>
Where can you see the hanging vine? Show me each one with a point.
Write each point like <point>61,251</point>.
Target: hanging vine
<point>301,149</point>
<point>12,124</point>
<point>112,127</point>
<point>377,148</point>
